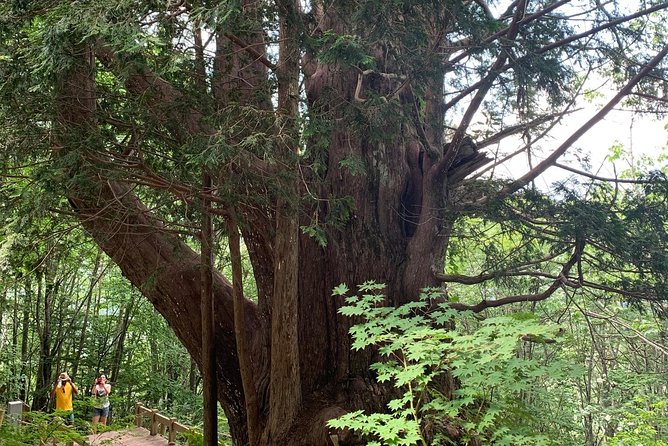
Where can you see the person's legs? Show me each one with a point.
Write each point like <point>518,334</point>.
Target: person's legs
<point>96,419</point>
<point>104,415</point>
<point>70,418</point>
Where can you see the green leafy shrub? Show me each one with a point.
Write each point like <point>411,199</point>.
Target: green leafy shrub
<point>41,429</point>
<point>644,423</point>
<point>425,345</point>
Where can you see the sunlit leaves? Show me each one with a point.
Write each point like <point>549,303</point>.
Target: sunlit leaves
<point>424,342</point>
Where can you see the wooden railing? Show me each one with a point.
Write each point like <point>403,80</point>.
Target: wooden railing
<point>159,423</point>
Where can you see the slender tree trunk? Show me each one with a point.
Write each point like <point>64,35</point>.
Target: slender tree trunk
<point>285,392</point>
<point>3,307</point>
<point>121,332</point>
<point>84,324</point>
<point>210,390</point>
<point>243,346</point>
<point>81,344</point>
<point>154,348</point>
<point>44,309</point>
<point>15,321</point>
<point>25,332</point>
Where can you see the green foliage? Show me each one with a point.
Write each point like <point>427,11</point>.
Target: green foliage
<point>11,377</point>
<point>344,49</point>
<point>40,429</point>
<point>338,211</point>
<point>644,423</point>
<point>316,232</point>
<point>354,165</point>
<point>428,347</point>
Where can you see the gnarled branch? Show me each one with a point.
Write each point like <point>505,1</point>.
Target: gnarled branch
<point>556,284</point>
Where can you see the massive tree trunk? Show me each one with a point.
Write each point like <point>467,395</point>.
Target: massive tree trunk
<point>304,373</point>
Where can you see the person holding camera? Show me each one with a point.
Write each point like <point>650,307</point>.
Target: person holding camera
<point>100,392</point>
<point>63,391</point>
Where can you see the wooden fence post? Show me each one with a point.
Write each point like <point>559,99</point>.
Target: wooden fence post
<point>154,424</point>
<point>172,432</point>
<point>138,414</point>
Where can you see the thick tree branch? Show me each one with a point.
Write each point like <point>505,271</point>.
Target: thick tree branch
<point>536,138</point>
<point>651,97</point>
<point>523,127</point>
<point>252,51</point>
<point>525,20</point>
<point>602,27</point>
<point>558,282</point>
<point>163,95</point>
<point>450,154</point>
<point>598,178</point>
<point>552,158</point>
<point>515,271</point>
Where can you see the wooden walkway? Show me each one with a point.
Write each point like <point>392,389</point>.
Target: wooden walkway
<point>134,437</point>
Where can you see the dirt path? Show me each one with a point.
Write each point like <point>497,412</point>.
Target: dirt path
<point>135,437</point>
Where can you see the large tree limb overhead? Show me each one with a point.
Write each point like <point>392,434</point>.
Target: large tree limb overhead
<point>164,96</point>
<point>450,154</point>
<point>171,107</point>
<point>525,20</point>
<point>554,156</point>
<point>561,279</point>
<point>515,271</point>
<point>182,122</point>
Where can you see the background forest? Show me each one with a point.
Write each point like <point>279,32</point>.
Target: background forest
<point>65,307</point>
<point>327,219</point>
